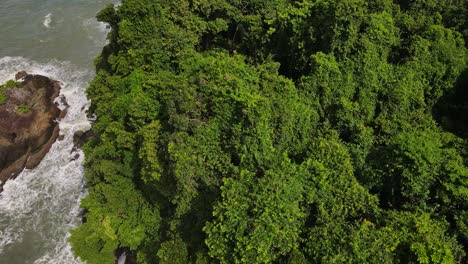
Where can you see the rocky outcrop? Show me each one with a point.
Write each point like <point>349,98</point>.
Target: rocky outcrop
<point>82,137</point>
<point>28,123</point>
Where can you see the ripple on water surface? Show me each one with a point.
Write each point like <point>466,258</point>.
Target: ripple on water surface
<point>52,29</point>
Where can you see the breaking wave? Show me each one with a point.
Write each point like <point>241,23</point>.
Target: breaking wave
<point>47,20</point>
<point>39,208</point>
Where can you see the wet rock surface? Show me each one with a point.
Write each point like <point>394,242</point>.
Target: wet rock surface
<point>28,123</point>
<point>82,137</point>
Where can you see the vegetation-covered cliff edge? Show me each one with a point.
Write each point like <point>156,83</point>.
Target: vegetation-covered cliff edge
<point>255,131</point>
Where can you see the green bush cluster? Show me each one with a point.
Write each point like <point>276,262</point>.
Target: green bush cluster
<point>23,108</point>
<point>276,131</point>
<point>9,84</point>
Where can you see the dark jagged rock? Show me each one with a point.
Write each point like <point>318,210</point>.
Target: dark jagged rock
<point>81,137</point>
<point>125,256</point>
<point>77,156</point>
<point>21,75</point>
<point>26,135</point>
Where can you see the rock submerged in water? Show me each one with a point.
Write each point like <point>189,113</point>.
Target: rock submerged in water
<point>28,123</point>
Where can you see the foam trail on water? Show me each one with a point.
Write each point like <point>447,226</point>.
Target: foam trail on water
<point>96,26</point>
<point>41,205</point>
<point>95,30</point>
<point>47,20</point>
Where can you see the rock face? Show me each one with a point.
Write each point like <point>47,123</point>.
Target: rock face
<point>82,137</point>
<point>28,124</point>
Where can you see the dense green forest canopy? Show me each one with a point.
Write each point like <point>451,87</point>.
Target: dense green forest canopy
<point>279,131</point>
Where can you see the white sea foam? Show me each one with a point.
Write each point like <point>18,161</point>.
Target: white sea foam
<point>96,26</point>
<point>95,31</point>
<point>47,20</point>
<point>41,205</point>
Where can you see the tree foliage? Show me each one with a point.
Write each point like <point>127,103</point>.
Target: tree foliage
<point>254,131</point>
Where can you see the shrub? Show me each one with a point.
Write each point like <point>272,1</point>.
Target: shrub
<point>10,84</point>
<point>23,108</point>
<point>3,98</point>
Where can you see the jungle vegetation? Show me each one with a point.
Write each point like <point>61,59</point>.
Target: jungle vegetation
<point>279,131</point>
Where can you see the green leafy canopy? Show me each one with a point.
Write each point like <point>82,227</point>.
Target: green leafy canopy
<point>254,131</point>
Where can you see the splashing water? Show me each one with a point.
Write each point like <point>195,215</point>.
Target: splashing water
<point>41,205</point>
<point>58,39</point>
<point>47,20</point>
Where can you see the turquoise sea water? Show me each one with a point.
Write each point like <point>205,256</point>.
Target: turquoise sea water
<point>59,39</point>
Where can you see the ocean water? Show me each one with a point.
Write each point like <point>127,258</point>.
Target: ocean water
<point>41,30</point>
<point>59,39</point>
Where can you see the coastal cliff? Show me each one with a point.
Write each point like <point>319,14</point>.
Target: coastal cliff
<point>28,122</point>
